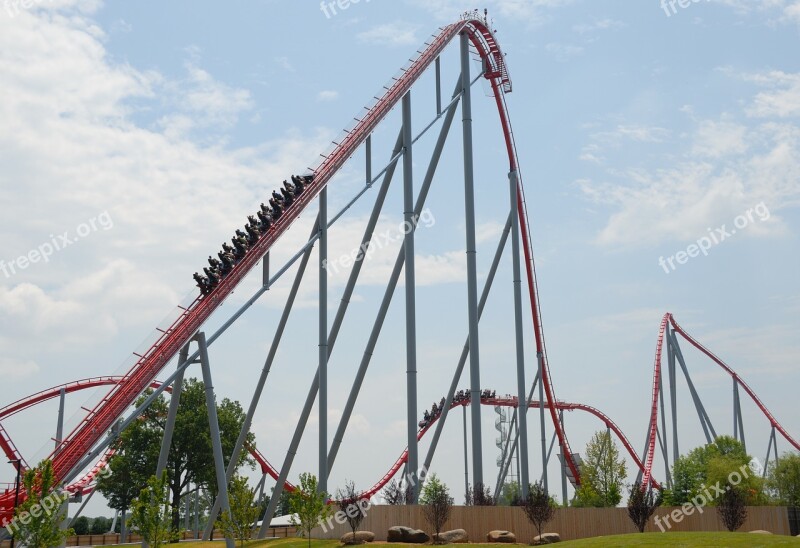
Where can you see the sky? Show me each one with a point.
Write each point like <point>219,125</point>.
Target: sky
<point>136,137</point>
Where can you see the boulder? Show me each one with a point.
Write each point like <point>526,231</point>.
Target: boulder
<point>761,532</point>
<point>456,536</point>
<point>547,538</point>
<point>399,533</point>
<point>501,536</point>
<point>361,536</point>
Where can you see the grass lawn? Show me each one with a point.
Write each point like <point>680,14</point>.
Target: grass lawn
<point>672,540</point>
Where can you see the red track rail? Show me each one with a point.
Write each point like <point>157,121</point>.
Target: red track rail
<point>81,440</point>
<point>506,402</point>
<point>653,423</point>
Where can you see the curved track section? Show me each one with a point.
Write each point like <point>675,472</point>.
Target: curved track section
<point>669,319</point>
<point>85,484</point>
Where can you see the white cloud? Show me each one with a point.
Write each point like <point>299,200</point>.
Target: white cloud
<point>783,98</point>
<point>397,33</point>
<point>327,95</point>
<point>12,369</point>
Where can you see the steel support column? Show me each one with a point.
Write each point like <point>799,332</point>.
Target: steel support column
<point>60,424</point>
<point>213,422</point>
<point>472,277</point>
<point>174,403</point>
<point>410,294</point>
<point>564,500</point>
<point>323,341</point>
<point>522,424</point>
<point>466,452</point>
<point>673,395</point>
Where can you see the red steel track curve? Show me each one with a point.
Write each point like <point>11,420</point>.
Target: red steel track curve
<point>97,422</point>
<point>651,441</point>
<point>84,485</point>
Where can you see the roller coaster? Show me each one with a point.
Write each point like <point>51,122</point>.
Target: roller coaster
<point>80,455</point>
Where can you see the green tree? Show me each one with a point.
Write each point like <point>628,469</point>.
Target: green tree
<point>151,513</point>
<point>437,504</point>
<point>538,507</point>
<point>511,494</point>
<point>602,474</point>
<point>353,506</point>
<point>432,486</point>
<point>309,508</point>
<point>39,518</point>
<point>710,465</point>
<point>783,479</point>
<point>81,526</point>
<point>190,454</point>
<point>238,524</point>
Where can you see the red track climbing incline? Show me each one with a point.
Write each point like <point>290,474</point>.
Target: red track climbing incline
<point>148,364</point>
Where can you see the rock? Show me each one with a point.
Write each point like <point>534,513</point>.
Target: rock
<point>399,533</point>
<point>547,538</point>
<point>501,536</point>
<point>761,532</point>
<point>361,536</point>
<point>456,536</point>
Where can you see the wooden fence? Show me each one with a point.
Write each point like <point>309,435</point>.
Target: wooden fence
<point>570,523</point>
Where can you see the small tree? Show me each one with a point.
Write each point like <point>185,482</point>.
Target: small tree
<point>238,524</point>
<point>732,508</point>
<point>437,504</point>
<point>151,512</point>
<point>100,526</point>
<point>39,517</point>
<point>783,479</point>
<point>641,505</point>
<point>308,507</point>
<point>350,503</point>
<point>396,493</point>
<point>538,507</point>
<point>479,495</point>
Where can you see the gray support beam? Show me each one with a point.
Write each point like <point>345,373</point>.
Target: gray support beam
<point>465,349</point>
<point>368,155</point>
<point>663,433</point>
<point>196,511</point>
<point>769,449</point>
<point>322,370</point>
<point>644,453</point>
<point>86,500</point>
<point>213,422</point>
<point>673,395</point>
<point>337,322</point>
<point>262,380</point>
<point>705,421</point>
<point>564,500</point>
<point>513,180</point>
<point>123,527</point>
<point>265,271</point>
<point>60,424</point>
<point>187,507</point>
<point>738,414</point>
<point>391,285</point>
<point>472,276</point>
<point>438,86</point>
<point>174,403</point>
<point>540,375</point>
<point>410,294</point>
<point>466,452</point>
